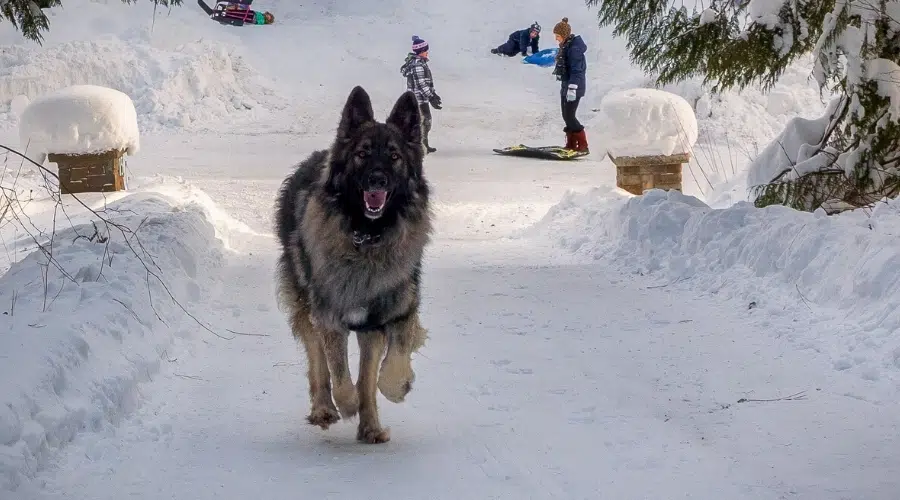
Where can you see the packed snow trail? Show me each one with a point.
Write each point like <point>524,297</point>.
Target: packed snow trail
<point>542,377</point>
<point>611,389</point>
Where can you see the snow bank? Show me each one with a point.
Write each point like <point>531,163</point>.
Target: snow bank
<point>80,119</point>
<point>180,69</point>
<point>82,344</point>
<point>646,122</point>
<point>845,267</point>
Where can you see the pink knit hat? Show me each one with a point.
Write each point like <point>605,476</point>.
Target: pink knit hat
<point>418,45</point>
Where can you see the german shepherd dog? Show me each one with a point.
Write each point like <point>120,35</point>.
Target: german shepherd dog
<point>353,222</point>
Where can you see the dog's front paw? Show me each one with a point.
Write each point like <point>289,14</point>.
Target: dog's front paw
<point>323,416</point>
<point>372,434</point>
<point>395,379</point>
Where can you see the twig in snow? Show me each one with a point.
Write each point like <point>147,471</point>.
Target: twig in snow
<point>91,238</point>
<point>805,302</point>
<point>192,377</point>
<point>670,283</point>
<point>247,334</point>
<point>285,363</point>
<point>61,286</point>
<point>795,237</point>
<point>799,396</point>
<point>49,258</point>
<point>134,314</point>
<point>12,303</point>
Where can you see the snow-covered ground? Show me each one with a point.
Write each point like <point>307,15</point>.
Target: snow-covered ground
<point>583,343</point>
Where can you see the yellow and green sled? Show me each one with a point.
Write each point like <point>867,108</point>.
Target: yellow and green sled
<point>541,152</point>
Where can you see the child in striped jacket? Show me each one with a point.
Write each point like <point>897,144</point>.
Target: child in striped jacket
<point>418,80</point>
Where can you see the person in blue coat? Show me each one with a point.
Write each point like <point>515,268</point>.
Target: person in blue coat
<point>519,41</point>
<point>570,70</point>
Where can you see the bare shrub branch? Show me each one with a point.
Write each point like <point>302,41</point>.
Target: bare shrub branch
<point>13,211</point>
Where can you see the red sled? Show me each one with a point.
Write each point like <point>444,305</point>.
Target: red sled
<point>234,13</point>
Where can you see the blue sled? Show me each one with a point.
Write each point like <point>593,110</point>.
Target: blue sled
<point>543,58</point>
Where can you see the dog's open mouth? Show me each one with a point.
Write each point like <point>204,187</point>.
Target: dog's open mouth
<point>375,202</point>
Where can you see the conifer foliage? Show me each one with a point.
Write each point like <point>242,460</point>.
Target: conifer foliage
<point>28,17</point>
<point>736,43</point>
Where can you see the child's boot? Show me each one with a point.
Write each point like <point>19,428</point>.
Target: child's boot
<point>570,139</point>
<point>581,143</point>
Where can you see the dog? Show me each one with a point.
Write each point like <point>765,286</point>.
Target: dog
<point>353,222</point>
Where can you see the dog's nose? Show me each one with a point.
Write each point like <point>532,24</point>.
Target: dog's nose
<point>378,180</point>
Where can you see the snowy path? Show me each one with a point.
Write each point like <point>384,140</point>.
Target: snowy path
<point>542,378</point>
<point>618,390</point>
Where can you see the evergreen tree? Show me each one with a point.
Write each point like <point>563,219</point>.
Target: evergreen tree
<point>30,20</point>
<point>736,43</point>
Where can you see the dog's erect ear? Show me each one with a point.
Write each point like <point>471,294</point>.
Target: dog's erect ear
<point>406,117</point>
<point>357,112</point>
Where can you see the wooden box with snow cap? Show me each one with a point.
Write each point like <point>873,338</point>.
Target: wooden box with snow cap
<point>90,173</point>
<point>649,138</point>
<point>86,130</point>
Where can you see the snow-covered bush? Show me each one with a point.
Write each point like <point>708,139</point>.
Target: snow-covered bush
<point>735,43</point>
<point>88,316</point>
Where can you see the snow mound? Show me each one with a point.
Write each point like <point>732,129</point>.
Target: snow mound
<point>186,83</point>
<point>85,338</point>
<point>845,267</point>
<point>643,121</point>
<point>81,119</point>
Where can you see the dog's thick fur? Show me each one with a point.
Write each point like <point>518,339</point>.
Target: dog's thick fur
<point>346,268</point>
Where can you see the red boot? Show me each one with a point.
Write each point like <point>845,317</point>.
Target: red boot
<point>570,139</point>
<point>580,142</point>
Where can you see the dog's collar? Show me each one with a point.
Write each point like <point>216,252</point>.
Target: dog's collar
<point>363,239</point>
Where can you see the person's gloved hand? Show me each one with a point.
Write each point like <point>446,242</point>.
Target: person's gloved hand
<point>435,101</point>
<point>570,94</point>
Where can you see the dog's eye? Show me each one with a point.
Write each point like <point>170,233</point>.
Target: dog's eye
<point>395,156</point>
<point>362,154</point>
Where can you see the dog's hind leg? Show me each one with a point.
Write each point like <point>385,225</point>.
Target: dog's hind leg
<point>322,413</point>
<point>371,349</point>
<point>405,337</point>
<point>339,363</point>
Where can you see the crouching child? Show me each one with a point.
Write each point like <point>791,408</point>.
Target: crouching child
<point>519,41</point>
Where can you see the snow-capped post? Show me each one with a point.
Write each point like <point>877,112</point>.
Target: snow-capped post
<point>86,130</point>
<point>648,134</point>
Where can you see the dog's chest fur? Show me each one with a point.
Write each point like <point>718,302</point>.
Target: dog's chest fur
<point>352,284</point>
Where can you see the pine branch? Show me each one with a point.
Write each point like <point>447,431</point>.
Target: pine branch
<point>675,44</point>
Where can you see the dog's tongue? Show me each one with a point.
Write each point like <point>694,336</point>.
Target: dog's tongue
<point>375,199</point>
